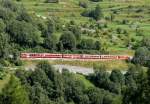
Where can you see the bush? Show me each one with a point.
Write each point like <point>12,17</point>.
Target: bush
<point>2,73</point>
<point>23,15</point>
<point>9,4</point>
<point>6,14</point>
<point>119,30</point>
<point>87,44</point>
<point>124,21</point>
<point>146,42</point>
<point>95,14</point>
<point>76,31</point>
<point>2,26</point>
<point>86,13</point>
<point>51,1</point>
<point>96,0</point>
<point>142,56</point>
<point>50,43</point>
<point>50,27</point>
<point>83,4</point>
<point>68,40</point>
<point>5,63</point>
<point>18,0</point>
<point>18,63</point>
<point>97,45</point>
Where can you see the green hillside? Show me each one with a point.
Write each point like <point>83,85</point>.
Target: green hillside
<point>130,20</point>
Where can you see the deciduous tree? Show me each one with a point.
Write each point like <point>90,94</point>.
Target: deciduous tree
<point>14,93</point>
<point>68,40</point>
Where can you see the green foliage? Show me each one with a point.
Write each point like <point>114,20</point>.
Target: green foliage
<point>76,31</point>
<point>50,42</point>
<point>2,73</point>
<point>86,13</point>
<point>24,33</point>
<point>142,55</point>
<point>39,95</point>
<point>23,15</point>
<point>96,0</point>
<point>68,40</point>
<point>6,14</point>
<point>145,87</point>
<point>5,63</point>
<point>100,96</point>
<point>50,81</point>
<point>96,96</point>
<point>2,26</point>
<point>146,42</point>
<point>50,27</point>
<point>42,26</point>
<point>14,93</point>
<point>100,79</point>
<point>9,5</point>
<point>135,80</point>
<point>117,77</point>
<point>52,1</point>
<point>18,0</point>
<point>60,46</point>
<point>29,33</point>
<point>4,45</point>
<point>97,45</point>
<point>74,91</point>
<point>87,44</point>
<point>83,4</point>
<point>47,86</point>
<point>95,14</point>
<point>69,10</point>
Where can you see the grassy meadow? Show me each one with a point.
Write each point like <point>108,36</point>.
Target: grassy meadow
<point>136,13</point>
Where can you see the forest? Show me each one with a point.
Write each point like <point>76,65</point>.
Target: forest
<point>47,86</point>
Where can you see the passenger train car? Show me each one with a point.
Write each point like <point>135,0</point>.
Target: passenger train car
<point>85,57</point>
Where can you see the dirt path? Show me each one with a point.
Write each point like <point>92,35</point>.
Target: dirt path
<point>72,69</point>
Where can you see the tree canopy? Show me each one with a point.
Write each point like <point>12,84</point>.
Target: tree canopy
<point>68,40</point>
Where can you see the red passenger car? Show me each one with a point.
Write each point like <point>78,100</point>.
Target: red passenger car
<point>72,56</point>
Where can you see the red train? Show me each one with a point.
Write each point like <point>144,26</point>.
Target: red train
<point>35,56</point>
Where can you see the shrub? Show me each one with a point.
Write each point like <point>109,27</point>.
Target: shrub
<point>95,14</point>
<point>2,73</point>
<point>51,1</point>
<point>68,40</point>
<point>5,63</point>
<point>18,63</point>
<point>50,43</point>
<point>87,44</point>
<point>96,0</point>
<point>83,4</point>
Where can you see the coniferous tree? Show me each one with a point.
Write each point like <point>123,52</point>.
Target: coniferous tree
<point>14,93</point>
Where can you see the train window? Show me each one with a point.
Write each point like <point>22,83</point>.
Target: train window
<point>30,55</point>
